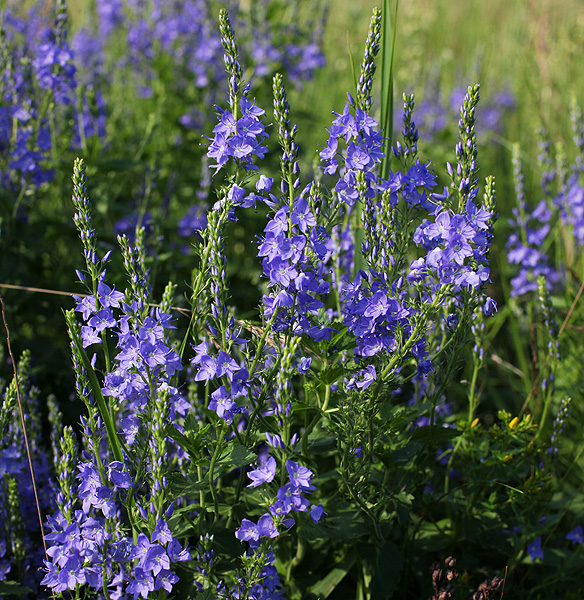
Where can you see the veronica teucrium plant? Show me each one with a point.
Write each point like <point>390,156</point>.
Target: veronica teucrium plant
<point>223,459</point>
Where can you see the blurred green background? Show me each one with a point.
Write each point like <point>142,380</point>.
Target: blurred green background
<point>531,47</point>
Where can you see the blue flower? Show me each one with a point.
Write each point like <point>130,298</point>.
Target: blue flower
<point>317,512</point>
<point>300,476</point>
<point>534,549</point>
<point>575,536</point>
<point>264,473</point>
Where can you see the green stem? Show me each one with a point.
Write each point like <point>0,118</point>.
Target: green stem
<point>262,341</point>
<point>414,336</point>
<point>215,457</point>
<point>471,409</point>
<point>308,429</point>
<point>545,410</point>
<point>197,288</point>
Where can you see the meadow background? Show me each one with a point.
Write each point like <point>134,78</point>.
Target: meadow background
<point>511,506</point>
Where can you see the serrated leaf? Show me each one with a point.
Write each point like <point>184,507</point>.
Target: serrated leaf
<point>235,457</point>
<point>310,344</point>
<point>331,374</point>
<point>191,441</point>
<point>193,423</point>
<point>180,438</point>
<point>179,485</point>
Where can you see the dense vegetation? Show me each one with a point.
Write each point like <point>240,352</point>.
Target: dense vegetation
<point>267,351</point>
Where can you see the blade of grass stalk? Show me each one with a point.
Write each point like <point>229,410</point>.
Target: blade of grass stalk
<point>352,64</point>
<point>34,488</point>
<point>571,310</point>
<point>100,401</point>
<point>388,31</point>
<point>9,286</point>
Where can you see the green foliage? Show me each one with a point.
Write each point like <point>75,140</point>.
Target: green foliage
<point>476,460</point>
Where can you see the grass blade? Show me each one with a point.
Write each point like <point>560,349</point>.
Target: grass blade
<point>388,34</point>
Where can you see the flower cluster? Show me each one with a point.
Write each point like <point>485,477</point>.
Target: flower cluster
<point>290,251</point>
<point>526,250</point>
<point>456,245</point>
<point>210,367</point>
<point>525,246</point>
<point>85,550</point>
<point>377,317</point>
<point>288,499</point>
<point>363,152</point>
<point>238,138</point>
<point>143,358</point>
<point>571,204</point>
<point>570,197</point>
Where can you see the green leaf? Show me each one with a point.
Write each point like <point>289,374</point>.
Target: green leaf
<point>331,374</point>
<point>322,445</point>
<point>403,508</point>
<point>302,406</point>
<point>236,456</point>
<point>13,588</point>
<point>325,587</point>
<point>180,438</point>
<point>102,405</point>
<point>190,442</point>
<point>337,337</point>
<point>179,485</point>
<point>390,564</point>
<point>433,536</point>
<point>340,526</point>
